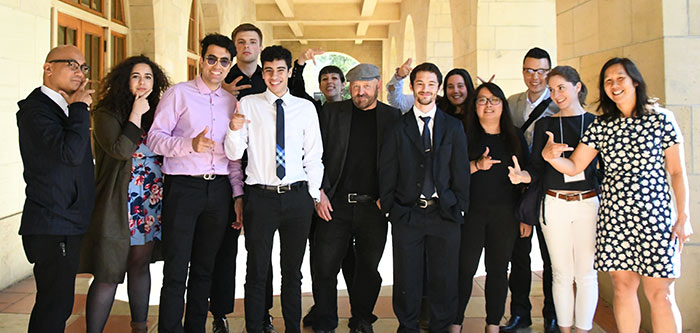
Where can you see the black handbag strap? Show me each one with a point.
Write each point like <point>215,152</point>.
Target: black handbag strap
<point>536,113</point>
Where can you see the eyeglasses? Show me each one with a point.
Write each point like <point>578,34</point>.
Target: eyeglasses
<point>494,100</point>
<point>212,60</point>
<point>539,71</point>
<point>73,65</point>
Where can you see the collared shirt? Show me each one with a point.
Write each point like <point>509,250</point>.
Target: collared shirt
<point>431,123</point>
<point>56,97</point>
<point>255,81</point>
<point>528,110</point>
<point>303,148</point>
<point>183,112</point>
<point>431,114</point>
<point>397,98</point>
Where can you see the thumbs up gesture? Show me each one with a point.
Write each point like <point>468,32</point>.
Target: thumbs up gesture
<point>238,119</point>
<point>485,161</point>
<point>552,149</point>
<point>517,175</point>
<point>201,143</point>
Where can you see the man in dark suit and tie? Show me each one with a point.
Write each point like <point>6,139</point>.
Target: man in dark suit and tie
<point>54,140</point>
<point>424,189</point>
<point>352,133</point>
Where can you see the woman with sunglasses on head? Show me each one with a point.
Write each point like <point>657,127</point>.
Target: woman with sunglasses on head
<point>490,223</point>
<point>639,236</point>
<point>126,218</point>
<point>570,204</point>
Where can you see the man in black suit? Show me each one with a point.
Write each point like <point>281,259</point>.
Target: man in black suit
<point>424,187</point>
<point>54,140</point>
<point>352,133</point>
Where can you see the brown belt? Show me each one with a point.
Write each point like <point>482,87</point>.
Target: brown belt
<point>573,196</point>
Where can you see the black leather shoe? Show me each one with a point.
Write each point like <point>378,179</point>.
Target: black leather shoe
<point>363,326</point>
<point>551,326</point>
<point>308,320</point>
<point>325,331</point>
<point>267,326</point>
<point>515,323</point>
<point>220,325</point>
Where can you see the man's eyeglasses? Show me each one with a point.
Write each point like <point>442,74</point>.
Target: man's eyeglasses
<point>73,65</point>
<point>212,60</point>
<point>494,100</point>
<point>539,71</point>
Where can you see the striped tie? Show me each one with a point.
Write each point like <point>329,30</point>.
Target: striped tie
<point>279,156</point>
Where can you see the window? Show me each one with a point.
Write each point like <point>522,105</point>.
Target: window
<point>118,48</point>
<point>118,11</point>
<point>191,69</point>
<point>94,6</point>
<point>192,35</point>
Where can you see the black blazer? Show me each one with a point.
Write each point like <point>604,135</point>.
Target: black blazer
<point>58,167</point>
<point>335,119</point>
<point>401,169</point>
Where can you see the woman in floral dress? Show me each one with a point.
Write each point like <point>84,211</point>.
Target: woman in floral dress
<point>126,219</point>
<point>639,236</point>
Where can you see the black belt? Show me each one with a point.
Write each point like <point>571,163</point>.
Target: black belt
<point>281,188</point>
<point>360,198</point>
<point>425,203</point>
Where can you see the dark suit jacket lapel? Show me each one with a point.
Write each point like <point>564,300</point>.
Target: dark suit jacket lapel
<point>48,101</point>
<point>438,130</point>
<point>411,129</point>
<point>383,119</point>
<point>344,122</point>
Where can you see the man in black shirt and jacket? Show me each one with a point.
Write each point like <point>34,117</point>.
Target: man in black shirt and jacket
<point>352,133</point>
<point>54,140</point>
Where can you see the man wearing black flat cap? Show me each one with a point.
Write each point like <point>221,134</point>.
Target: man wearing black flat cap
<point>352,133</point>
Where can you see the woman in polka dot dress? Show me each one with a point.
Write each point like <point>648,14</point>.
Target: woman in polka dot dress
<point>639,236</point>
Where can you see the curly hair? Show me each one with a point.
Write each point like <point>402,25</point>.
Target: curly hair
<point>114,93</point>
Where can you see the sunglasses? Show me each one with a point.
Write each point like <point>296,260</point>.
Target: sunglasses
<point>73,65</point>
<point>212,60</point>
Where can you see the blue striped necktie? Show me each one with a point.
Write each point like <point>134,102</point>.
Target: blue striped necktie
<point>279,156</point>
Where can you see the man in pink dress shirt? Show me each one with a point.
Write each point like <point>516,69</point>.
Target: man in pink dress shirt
<point>189,130</point>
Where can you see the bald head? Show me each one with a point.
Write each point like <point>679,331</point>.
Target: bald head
<point>58,74</point>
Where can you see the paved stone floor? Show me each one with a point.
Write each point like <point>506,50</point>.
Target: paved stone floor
<point>16,302</point>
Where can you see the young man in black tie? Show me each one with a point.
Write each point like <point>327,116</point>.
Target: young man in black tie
<point>424,190</point>
<point>281,135</point>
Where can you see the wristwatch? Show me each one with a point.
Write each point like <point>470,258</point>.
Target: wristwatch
<point>317,201</point>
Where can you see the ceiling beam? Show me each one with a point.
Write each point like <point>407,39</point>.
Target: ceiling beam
<point>329,14</point>
<point>368,7</point>
<point>296,28</point>
<point>328,33</point>
<point>286,7</point>
<point>362,28</point>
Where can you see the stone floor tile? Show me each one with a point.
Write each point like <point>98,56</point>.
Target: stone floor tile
<point>23,305</point>
<point>13,322</point>
<point>25,286</point>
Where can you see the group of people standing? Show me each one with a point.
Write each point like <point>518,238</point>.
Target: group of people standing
<point>180,170</point>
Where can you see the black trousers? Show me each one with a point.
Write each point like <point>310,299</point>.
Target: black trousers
<point>348,264</point>
<point>265,213</point>
<point>433,241</point>
<point>521,278</point>
<point>364,223</point>
<point>195,215</point>
<point>493,229</point>
<point>55,259</point>
<point>223,282</point>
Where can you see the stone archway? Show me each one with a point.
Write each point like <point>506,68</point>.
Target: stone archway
<point>439,42</point>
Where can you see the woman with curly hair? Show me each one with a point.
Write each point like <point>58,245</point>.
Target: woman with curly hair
<point>126,218</point>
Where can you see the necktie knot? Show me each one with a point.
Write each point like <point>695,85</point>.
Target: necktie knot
<point>425,120</point>
<point>279,102</point>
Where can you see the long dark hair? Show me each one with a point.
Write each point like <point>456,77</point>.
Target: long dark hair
<point>115,95</point>
<point>444,103</point>
<point>476,133</point>
<point>607,107</point>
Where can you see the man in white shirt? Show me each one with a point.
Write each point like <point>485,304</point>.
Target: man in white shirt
<point>536,65</point>
<point>282,137</point>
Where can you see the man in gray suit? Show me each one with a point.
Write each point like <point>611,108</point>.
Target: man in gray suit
<point>525,112</point>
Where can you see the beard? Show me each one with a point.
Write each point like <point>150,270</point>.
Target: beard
<point>426,100</point>
<point>364,101</point>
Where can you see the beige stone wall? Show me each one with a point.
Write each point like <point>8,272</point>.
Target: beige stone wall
<point>505,31</point>
<point>439,40</point>
<point>661,37</point>
<point>21,58</point>
<point>463,14</point>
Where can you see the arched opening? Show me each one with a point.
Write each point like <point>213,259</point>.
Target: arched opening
<point>409,47</point>
<point>342,60</point>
